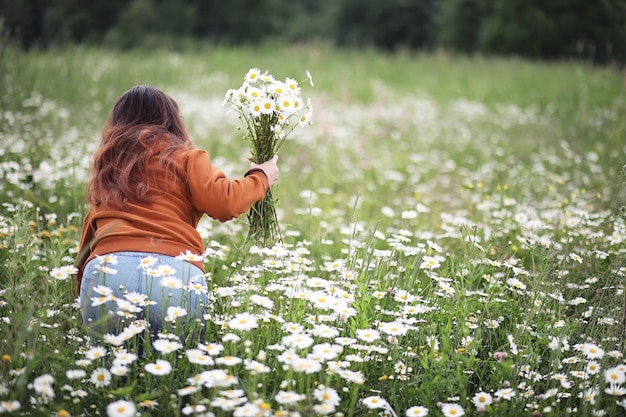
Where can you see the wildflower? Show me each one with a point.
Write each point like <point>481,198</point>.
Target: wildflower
<point>592,368</point>
<point>324,331</point>
<point>374,402</point>
<point>75,374</point>
<point>9,406</point>
<point>119,370</point>
<point>298,340</point>
<point>614,376</point>
<point>212,349</point>
<point>100,377</point>
<point>482,399</point>
<point>166,346</point>
<point>429,262</point>
<point>243,321</point>
<point>324,409</point>
<point>147,262</point>
<point>228,360</point>
<point>174,312</point>
<point>121,408</point>
<point>96,352</point>
<point>160,367</point>
<point>198,357</point>
<point>194,409</point>
<point>615,390</point>
<point>190,256</point>
<point>326,351</point>
<point>149,404</point>
<point>124,358</point>
<point>368,335</point>
<point>288,397</point>
<point>417,411</point>
<point>326,395</point>
<point>262,301</point>
<point>576,258</point>
<point>61,273</point>
<point>505,393</point>
<point>592,351</point>
<point>171,282</point>
<point>306,365</point>
<point>393,328</point>
<point>452,410</point>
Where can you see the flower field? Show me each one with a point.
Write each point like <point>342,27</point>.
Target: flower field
<point>454,242</point>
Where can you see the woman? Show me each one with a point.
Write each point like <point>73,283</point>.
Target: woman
<point>148,190</point>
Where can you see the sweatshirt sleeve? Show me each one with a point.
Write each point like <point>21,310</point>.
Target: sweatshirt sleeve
<point>219,197</point>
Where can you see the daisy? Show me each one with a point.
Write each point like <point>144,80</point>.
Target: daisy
<point>252,75</point>
<point>393,328</point>
<point>174,313</point>
<point>119,370</point>
<point>212,349</point>
<point>292,86</point>
<point>194,409</point>
<point>297,340</point>
<point>255,108</point>
<point>9,406</point>
<point>324,331</point>
<point>169,281</point>
<point>452,410</point>
<point>121,408</point>
<point>368,335</point>
<point>256,367</point>
<point>592,351</point>
<point>147,262</point>
<point>374,402</point>
<point>288,397</point>
<point>482,399</point>
<point>160,367</point>
<point>138,298</point>
<point>100,377</point>
<point>615,390</point>
<point>75,374</point>
<point>593,367</point>
<point>306,365</point>
<point>326,395</point>
<point>428,262</point>
<point>59,274</point>
<point>166,346</point>
<point>198,357</point>
<point>505,393</point>
<point>417,411</point>
<point>324,409</point>
<point>326,351</point>
<point>96,352</point>
<point>228,360</point>
<point>243,321</point>
<point>254,93</point>
<point>614,376</point>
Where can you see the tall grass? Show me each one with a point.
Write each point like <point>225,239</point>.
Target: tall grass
<point>453,238</point>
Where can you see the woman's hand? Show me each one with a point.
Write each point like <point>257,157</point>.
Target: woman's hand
<point>269,168</point>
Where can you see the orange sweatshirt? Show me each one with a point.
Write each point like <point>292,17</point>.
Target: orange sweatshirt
<point>168,224</point>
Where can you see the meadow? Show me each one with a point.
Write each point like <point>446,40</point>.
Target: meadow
<point>454,241</point>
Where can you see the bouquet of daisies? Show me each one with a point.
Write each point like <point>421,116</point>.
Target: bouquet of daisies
<point>269,110</point>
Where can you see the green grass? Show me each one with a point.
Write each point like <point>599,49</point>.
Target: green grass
<point>501,173</point>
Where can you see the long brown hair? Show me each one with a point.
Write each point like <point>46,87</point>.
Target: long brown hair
<point>144,132</point>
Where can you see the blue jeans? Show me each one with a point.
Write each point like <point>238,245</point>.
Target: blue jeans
<point>127,274</point>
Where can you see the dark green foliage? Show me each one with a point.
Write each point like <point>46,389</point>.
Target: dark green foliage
<point>539,29</point>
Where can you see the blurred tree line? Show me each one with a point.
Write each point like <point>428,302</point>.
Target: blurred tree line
<point>593,30</point>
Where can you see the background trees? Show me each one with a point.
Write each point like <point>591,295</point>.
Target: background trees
<point>544,29</point>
